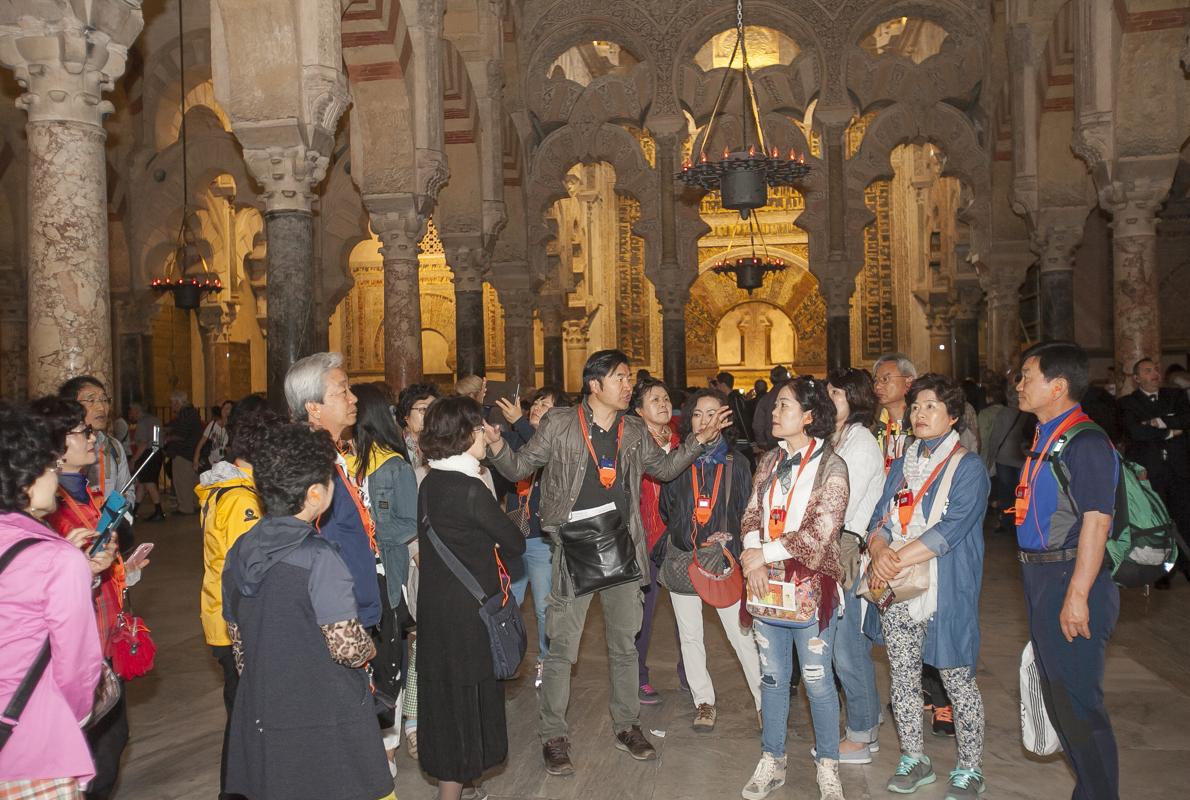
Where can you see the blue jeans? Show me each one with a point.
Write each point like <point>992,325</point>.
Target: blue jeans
<point>853,664</point>
<point>815,650</point>
<point>536,571</point>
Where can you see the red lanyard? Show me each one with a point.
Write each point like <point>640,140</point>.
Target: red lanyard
<point>80,514</point>
<point>777,515</point>
<point>907,501</point>
<point>607,475</point>
<point>703,506</point>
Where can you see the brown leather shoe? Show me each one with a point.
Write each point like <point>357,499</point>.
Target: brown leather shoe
<point>634,743</point>
<point>556,753</point>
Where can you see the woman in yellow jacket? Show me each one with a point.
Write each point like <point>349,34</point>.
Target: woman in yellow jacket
<point>230,508</point>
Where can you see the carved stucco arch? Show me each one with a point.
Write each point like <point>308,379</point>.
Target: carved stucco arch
<point>783,87</point>
<point>794,291</point>
<point>583,29</point>
<point>568,146</point>
<point>608,98</point>
<point>163,79</point>
<point>942,125</point>
<point>156,205</point>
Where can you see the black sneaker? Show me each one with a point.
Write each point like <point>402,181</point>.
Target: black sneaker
<point>556,753</point>
<point>634,743</point>
<point>944,720</point>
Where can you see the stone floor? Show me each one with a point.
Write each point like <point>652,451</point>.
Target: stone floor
<point>177,712</point>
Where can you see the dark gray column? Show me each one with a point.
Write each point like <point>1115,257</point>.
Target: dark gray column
<point>291,294</point>
<point>838,342</point>
<point>553,361</point>
<point>1057,305</point>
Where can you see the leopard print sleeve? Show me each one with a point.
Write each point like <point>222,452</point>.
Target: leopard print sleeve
<point>237,645</point>
<point>348,643</point>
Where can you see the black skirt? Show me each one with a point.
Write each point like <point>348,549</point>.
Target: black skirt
<point>461,731</point>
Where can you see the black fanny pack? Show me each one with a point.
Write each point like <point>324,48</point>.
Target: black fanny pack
<point>598,553</point>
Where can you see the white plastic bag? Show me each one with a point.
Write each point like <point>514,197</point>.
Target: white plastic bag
<point>1037,732</point>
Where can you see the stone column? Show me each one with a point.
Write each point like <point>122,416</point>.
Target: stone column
<point>673,290</point>
<point>836,290</point>
<point>966,332</point>
<point>1001,273</point>
<point>518,337</point>
<point>938,322</point>
<point>467,261</point>
<point>14,373</point>
<point>553,365</point>
<point>1060,232</point>
<point>575,336</point>
<point>397,223</point>
<point>63,66</point>
<point>214,324</point>
<point>1136,322</point>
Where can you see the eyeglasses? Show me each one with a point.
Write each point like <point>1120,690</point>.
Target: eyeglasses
<point>92,400</point>
<point>883,379</point>
<point>86,432</point>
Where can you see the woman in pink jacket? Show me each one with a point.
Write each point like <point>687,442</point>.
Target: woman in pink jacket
<point>45,593</point>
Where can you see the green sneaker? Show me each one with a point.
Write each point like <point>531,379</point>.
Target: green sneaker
<point>965,784</point>
<point>912,773</point>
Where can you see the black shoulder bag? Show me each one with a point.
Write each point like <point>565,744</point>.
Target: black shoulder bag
<point>506,629</point>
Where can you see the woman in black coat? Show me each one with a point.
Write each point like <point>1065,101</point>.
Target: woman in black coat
<point>461,729</point>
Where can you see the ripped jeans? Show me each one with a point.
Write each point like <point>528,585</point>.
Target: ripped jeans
<point>815,650</point>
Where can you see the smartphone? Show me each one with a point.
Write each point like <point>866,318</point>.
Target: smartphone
<point>138,555</point>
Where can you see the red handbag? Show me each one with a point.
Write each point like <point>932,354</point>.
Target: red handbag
<point>132,649</point>
<point>719,589</point>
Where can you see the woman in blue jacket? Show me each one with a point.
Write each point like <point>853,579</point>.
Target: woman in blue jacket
<point>941,626</point>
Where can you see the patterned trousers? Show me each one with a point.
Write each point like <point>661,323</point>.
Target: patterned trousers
<point>41,789</point>
<point>904,638</point>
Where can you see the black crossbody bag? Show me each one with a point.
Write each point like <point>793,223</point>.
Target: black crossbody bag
<point>499,613</point>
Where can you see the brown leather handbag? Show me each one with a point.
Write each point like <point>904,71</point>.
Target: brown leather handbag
<point>719,589</point>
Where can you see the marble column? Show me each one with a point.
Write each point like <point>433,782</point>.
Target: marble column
<point>63,66</point>
<point>1057,245</point>
<point>553,359</point>
<point>938,323</point>
<point>1136,319</point>
<point>518,337</point>
<point>966,333</point>
<point>291,293</point>
<point>467,262</point>
<point>400,227</point>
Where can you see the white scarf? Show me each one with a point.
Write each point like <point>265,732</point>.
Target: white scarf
<point>919,463</point>
<point>462,462</point>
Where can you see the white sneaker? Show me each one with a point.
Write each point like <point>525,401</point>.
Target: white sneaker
<point>829,787</point>
<point>768,777</point>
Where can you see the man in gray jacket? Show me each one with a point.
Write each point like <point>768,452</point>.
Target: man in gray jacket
<point>594,457</point>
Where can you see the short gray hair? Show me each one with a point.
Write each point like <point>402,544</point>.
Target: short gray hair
<point>904,365</point>
<point>306,381</point>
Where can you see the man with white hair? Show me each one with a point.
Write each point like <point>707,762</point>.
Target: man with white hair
<point>318,393</point>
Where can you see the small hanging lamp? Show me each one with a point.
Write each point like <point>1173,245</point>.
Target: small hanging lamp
<point>749,271</point>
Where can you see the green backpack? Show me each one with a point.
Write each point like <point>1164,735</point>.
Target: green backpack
<point>1143,542</point>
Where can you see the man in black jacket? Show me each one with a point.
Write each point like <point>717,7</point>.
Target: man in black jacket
<point>1155,422</point>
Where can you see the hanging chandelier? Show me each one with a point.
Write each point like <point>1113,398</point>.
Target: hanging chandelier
<point>188,286</point>
<point>749,271</point>
<point>743,175</point>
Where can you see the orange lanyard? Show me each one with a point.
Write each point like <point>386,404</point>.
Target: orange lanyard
<point>704,506</point>
<point>777,515</point>
<point>364,517</point>
<point>891,432</point>
<point>1029,472</point>
<point>607,475</point>
<point>907,501</point>
<point>102,469</point>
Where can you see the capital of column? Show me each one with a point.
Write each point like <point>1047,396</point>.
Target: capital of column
<point>575,333</point>
<point>1134,205</point>
<point>468,260</point>
<point>399,224</point>
<point>549,306</point>
<point>968,299</point>
<point>215,321</point>
<point>1002,270</point>
<point>837,287</point>
<point>288,175</point>
<point>64,65</point>
<point>1059,234</point>
<point>673,294</point>
<point>518,307</point>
